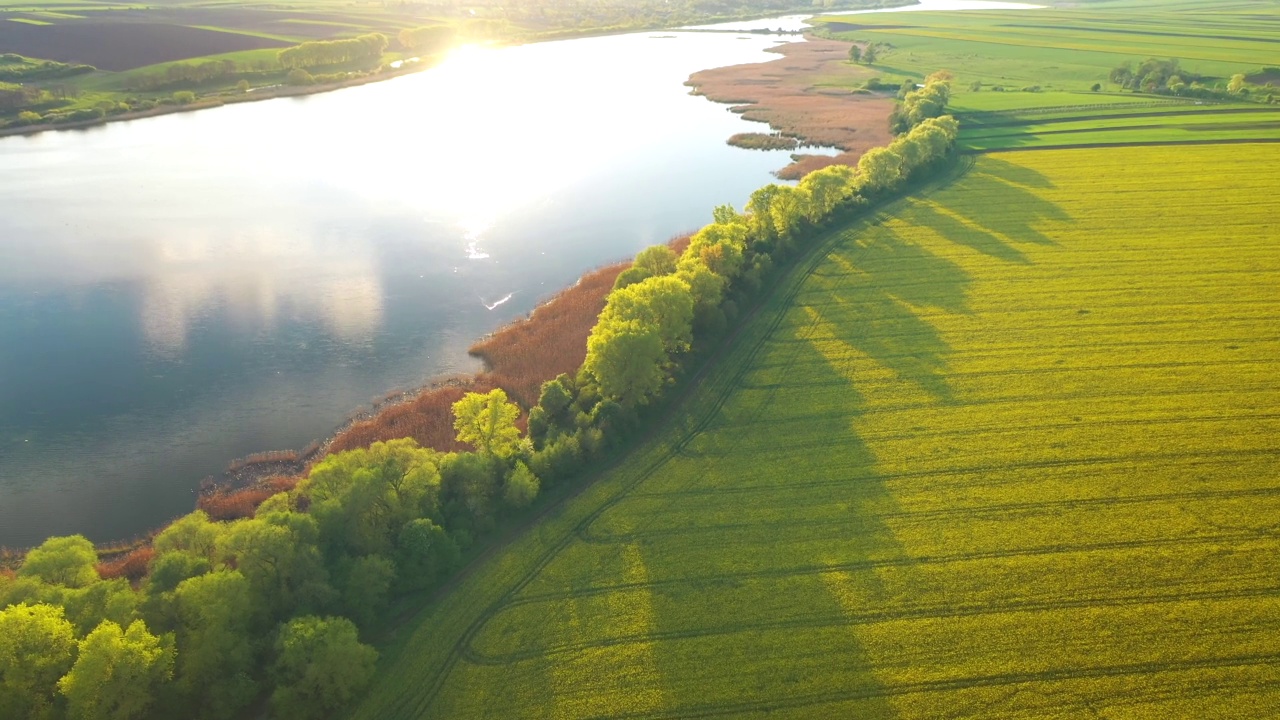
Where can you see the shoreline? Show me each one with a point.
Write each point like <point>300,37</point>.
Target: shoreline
<point>811,93</point>
<point>269,468</point>
<point>216,101</point>
<point>273,92</point>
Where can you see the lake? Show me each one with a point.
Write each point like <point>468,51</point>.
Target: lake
<point>182,290</point>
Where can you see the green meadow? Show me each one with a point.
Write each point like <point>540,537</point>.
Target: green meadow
<point>1042,78</point>
<point>1009,448</point>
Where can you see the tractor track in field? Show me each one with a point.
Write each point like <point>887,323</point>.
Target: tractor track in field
<point>1209,542</point>
<point>953,684</point>
<point>935,611</point>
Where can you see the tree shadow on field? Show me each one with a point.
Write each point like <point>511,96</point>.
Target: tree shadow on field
<point>907,271</point>
<point>761,598</point>
<point>998,208</point>
<point>1017,174</point>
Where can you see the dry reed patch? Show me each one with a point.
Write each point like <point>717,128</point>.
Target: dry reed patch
<point>427,418</point>
<point>550,341</point>
<point>133,565</point>
<point>785,94</point>
<point>242,503</point>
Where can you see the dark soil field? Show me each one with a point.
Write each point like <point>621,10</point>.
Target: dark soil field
<point>122,45</point>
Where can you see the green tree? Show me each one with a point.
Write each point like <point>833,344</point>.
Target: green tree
<point>1236,84</point>
<point>193,533</point>
<point>521,488</point>
<point>117,673</point>
<point>487,422</point>
<point>663,303</point>
<point>320,666</point>
<point>425,552</point>
<point>360,498</point>
<point>627,359</point>
<point>37,646</point>
<point>279,556</point>
<point>365,582</point>
<point>827,189</point>
<point>66,561</point>
<point>855,53</point>
<point>298,76</point>
<point>656,260</point>
<point>218,613</point>
<point>881,168</point>
<point>870,55</point>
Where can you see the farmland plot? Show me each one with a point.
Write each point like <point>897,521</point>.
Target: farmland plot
<point>1010,449</point>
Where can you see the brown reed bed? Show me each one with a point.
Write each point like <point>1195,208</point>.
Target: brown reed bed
<point>132,565</point>
<point>271,456</point>
<point>233,504</point>
<point>806,93</point>
<point>550,341</point>
<point>426,417</point>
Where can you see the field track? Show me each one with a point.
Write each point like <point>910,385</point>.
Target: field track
<point>1009,449</point>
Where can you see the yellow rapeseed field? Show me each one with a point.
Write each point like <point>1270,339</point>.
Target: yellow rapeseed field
<point>1010,449</point>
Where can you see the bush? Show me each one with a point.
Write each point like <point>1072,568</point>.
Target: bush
<point>184,97</point>
<point>26,117</point>
<point>298,76</point>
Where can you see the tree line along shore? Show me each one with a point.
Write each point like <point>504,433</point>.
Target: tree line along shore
<point>213,615</point>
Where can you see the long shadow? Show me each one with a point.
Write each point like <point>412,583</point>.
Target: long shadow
<point>786,641</point>
<point>1018,175</point>
<point>1019,209</point>
<point>961,230</point>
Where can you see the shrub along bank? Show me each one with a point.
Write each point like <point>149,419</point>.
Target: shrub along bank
<point>272,604</point>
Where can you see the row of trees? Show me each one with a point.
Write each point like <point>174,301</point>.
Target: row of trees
<point>867,57</point>
<point>920,104</point>
<point>268,604</point>
<point>274,604</point>
<point>333,52</point>
<point>1152,75</point>
<point>189,73</point>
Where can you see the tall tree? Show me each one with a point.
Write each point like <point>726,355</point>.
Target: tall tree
<point>663,303</point>
<point>215,644</point>
<point>37,646</point>
<point>117,673</point>
<point>66,561</point>
<point>321,664</point>
<point>627,359</point>
<point>487,422</point>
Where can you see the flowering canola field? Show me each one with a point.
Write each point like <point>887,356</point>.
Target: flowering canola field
<point>1009,449</point>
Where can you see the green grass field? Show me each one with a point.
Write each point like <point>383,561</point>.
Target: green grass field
<point>1062,52</point>
<point>1009,449</point>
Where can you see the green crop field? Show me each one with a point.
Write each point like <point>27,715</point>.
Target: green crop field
<point>1009,449</point>
<point>1019,69</point>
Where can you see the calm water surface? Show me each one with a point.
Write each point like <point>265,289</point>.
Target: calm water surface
<point>182,290</point>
